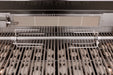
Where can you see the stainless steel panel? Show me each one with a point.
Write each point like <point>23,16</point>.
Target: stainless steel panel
<point>107,19</point>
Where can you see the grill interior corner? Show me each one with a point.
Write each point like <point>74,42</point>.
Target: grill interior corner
<point>69,37</point>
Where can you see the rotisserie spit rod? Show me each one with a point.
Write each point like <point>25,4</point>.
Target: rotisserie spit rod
<point>58,38</point>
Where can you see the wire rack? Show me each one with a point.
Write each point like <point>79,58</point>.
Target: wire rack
<point>80,37</point>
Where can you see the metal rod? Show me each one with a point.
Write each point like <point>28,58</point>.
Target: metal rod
<point>29,44</point>
<point>58,37</point>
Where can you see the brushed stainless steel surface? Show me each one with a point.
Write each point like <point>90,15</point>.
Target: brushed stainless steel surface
<point>60,0</point>
<point>53,5</point>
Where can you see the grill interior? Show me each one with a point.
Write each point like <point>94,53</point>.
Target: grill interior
<point>55,57</point>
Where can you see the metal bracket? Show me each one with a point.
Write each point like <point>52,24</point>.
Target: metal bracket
<point>5,19</point>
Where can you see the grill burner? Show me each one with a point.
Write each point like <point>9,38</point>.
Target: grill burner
<point>55,57</point>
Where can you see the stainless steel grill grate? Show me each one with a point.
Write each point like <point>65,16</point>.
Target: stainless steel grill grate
<point>55,57</point>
